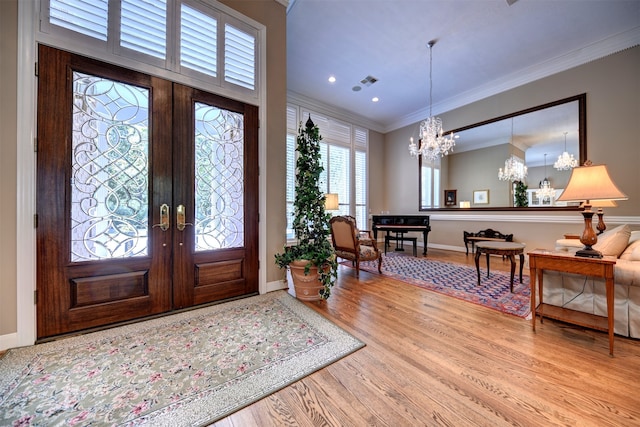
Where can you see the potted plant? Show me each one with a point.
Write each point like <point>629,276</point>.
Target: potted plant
<point>521,200</point>
<point>312,260</point>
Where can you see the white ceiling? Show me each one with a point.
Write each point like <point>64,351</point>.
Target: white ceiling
<point>483,47</point>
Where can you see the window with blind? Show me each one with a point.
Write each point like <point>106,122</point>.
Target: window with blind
<point>344,149</point>
<point>430,184</point>
<point>210,44</point>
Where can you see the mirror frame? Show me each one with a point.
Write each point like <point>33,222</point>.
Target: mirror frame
<point>582,144</point>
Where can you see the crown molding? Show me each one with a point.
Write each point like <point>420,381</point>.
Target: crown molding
<point>588,53</point>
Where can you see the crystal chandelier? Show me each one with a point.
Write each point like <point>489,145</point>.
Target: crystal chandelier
<point>433,144</point>
<point>545,191</point>
<point>514,170</point>
<point>565,160</point>
<point>514,167</point>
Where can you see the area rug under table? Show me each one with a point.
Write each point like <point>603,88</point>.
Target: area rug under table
<point>459,281</point>
<point>186,369</point>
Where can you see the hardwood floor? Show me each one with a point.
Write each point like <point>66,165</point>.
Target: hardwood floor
<point>438,361</point>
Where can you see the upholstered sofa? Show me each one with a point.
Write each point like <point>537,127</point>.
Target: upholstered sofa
<point>587,294</point>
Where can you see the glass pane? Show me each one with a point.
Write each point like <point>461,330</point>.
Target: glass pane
<point>143,26</point>
<point>82,16</point>
<point>339,176</point>
<point>239,54</point>
<point>219,178</point>
<point>198,41</point>
<point>110,169</point>
<point>291,182</point>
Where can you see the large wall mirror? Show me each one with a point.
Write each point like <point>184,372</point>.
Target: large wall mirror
<point>468,178</point>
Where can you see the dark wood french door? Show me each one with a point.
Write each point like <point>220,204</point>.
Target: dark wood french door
<point>147,195</point>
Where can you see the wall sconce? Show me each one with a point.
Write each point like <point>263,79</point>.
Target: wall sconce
<point>590,183</point>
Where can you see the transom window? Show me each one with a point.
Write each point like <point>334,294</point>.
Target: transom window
<point>193,38</point>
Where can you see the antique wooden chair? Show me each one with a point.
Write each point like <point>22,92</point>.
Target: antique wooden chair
<point>349,245</point>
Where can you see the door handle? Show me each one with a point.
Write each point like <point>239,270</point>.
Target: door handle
<point>180,218</point>
<point>164,218</point>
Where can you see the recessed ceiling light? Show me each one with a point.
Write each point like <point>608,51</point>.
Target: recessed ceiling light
<point>375,99</point>
<point>332,79</point>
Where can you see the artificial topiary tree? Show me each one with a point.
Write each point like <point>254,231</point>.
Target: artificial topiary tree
<point>310,220</point>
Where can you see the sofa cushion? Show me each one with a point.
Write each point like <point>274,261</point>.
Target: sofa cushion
<point>632,252</point>
<point>613,242</point>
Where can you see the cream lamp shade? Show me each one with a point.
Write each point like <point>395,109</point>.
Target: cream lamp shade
<point>590,184</point>
<point>331,201</point>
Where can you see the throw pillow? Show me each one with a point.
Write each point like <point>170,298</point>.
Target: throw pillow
<point>632,252</point>
<point>613,242</point>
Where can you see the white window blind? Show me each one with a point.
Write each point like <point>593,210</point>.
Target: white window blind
<point>198,41</point>
<point>343,152</point>
<point>143,26</point>
<point>292,131</point>
<point>240,57</point>
<point>361,189</point>
<point>88,17</point>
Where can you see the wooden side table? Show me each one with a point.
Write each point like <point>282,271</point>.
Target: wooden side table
<point>508,249</point>
<point>541,259</point>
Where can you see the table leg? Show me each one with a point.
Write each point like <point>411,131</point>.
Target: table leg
<point>512,258</point>
<point>487,254</point>
<point>532,284</point>
<point>521,264</point>
<point>610,311</point>
<point>478,265</point>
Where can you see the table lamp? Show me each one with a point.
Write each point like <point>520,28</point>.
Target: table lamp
<point>331,201</point>
<point>602,204</point>
<point>590,183</point>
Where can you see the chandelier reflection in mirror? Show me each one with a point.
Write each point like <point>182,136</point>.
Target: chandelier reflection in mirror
<point>514,167</point>
<point>545,192</point>
<point>565,160</point>
<point>433,144</point>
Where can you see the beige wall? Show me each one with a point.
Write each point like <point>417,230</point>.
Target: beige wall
<point>377,173</point>
<point>612,85</point>
<point>273,15</point>
<point>8,120</point>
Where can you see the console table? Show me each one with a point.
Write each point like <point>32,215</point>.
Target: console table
<point>540,260</point>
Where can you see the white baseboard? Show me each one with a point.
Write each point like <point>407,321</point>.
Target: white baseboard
<point>8,341</point>
<point>277,285</point>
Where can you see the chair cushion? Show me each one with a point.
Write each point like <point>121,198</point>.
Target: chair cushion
<point>613,242</point>
<point>368,252</point>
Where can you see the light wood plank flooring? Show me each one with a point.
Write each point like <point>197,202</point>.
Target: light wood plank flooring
<point>436,361</point>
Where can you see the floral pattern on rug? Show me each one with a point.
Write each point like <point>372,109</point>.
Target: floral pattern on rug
<point>459,281</point>
<point>123,379</point>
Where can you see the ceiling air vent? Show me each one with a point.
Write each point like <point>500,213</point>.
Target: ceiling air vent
<point>368,81</point>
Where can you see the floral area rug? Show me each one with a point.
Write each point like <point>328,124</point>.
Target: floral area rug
<point>186,369</point>
<point>459,281</point>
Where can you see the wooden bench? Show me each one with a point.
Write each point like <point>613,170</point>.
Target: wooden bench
<point>484,235</point>
<point>401,238</point>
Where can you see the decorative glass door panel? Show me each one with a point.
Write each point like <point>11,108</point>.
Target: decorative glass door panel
<point>110,168</point>
<point>219,178</point>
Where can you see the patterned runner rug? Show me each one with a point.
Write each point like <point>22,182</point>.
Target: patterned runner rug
<point>459,281</point>
<point>186,369</point>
